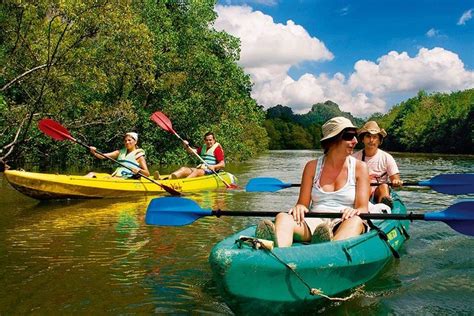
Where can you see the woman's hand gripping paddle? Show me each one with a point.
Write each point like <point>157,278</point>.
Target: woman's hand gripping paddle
<point>176,211</point>
<point>59,132</point>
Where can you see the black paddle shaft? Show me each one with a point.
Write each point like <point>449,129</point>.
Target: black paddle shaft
<point>409,216</point>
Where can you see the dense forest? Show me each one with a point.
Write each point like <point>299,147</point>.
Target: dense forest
<point>287,130</point>
<point>437,122</point>
<point>102,67</point>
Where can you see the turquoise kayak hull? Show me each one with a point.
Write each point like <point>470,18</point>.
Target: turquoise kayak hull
<point>247,275</point>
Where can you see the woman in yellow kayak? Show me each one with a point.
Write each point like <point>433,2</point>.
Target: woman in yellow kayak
<point>131,156</point>
<point>335,182</point>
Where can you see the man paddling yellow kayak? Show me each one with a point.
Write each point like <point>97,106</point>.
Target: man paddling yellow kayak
<point>212,154</point>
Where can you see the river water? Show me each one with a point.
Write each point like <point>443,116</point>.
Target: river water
<point>99,257</point>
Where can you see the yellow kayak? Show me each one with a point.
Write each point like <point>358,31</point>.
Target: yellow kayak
<point>43,186</point>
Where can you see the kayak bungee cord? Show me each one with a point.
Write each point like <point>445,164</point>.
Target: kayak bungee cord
<point>259,244</point>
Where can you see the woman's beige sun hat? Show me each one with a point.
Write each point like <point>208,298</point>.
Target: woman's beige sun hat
<point>334,126</point>
<point>373,128</point>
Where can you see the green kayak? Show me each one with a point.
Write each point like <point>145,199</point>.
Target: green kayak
<point>258,278</point>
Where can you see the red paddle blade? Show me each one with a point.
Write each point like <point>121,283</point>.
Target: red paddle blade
<point>54,129</point>
<point>232,186</point>
<point>163,121</point>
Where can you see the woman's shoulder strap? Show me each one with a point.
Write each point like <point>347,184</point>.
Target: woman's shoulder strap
<point>319,167</point>
<point>137,153</point>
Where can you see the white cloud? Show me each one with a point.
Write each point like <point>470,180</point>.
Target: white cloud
<point>270,49</point>
<point>466,16</point>
<point>265,43</point>
<point>432,32</point>
<point>434,69</point>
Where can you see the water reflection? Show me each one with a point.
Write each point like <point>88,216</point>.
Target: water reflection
<point>98,255</point>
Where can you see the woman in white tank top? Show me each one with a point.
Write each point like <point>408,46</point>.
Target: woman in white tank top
<point>336,182</point>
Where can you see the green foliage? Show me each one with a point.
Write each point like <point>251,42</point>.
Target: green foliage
<point>75,61</point>
<point>287,130</point>
<point>290,135</point>
<point>435,122</point>
<point>101,68</point>
<point>302,139</point>
<point>281,112</point>
<point>274,135</point>
<point>200,86</point>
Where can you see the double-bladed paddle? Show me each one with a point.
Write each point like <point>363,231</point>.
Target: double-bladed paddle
<point>164,122</point>
<point>454,183</point>
<point>58,132</point>
<point>176,211</point>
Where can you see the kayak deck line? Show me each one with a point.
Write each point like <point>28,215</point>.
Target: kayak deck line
<point>44,186</point>
<point>267,246</point>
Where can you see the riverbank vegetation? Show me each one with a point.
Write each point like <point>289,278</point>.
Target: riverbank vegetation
<point>101,68</point>
<point>437,122</point>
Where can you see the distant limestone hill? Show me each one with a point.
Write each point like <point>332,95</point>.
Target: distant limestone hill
<point>288,130</point>
<point>319,113</point>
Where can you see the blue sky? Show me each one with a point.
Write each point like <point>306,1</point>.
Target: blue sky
<point>364,55</point>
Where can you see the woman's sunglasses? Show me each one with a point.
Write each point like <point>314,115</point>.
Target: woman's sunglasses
<point>348,135</point>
